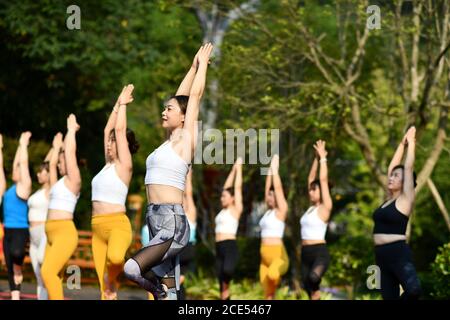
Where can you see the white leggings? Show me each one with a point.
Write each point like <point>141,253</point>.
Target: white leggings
<point>38,242</point>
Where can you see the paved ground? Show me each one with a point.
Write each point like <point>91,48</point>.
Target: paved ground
<point>87,292</point>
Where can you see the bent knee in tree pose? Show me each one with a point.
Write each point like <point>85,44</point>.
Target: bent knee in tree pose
<point>156,267</point>
<point>227,222</point>
<point>313,225</point>
<point>15,215</point>
<point>62,235</point>
<point>274,258</point>
<point>393,255</point>
<point>111,227</point>
<point>37,216</point>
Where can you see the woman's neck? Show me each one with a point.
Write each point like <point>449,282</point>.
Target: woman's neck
<point>175,134</point>
<point>395,194</point>
<point>45,186</point>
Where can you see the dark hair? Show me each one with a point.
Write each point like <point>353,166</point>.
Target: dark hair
<point>182,102</point>
<point>133,144</point>
<point>400,166</point>
<point>45,165</point>
<point>316,183</point>
<point>229,190</point>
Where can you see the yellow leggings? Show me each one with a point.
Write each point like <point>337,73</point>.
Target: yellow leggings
<point>62,240</point>
<point>274,264</point>
<point>111,239</point>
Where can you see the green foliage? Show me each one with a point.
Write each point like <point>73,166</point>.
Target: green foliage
<point>199,286</point>
<point>350,257</point>
<point>440,270</point>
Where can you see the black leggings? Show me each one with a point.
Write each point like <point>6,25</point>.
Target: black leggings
<point>187,265</point>
<point>397,268</point>
<point>226,261</point>
<point>14,245</point>
<point>315,261</point>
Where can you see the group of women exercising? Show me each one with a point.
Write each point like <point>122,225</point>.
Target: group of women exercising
<point>45,218</point>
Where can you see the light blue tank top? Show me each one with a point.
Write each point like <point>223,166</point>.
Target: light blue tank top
<point>15,210</point>
<point>145,237</point>
<point>193,233</point>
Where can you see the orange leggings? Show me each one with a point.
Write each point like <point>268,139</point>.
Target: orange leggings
<point>274,264</point>
<point>111,238</point>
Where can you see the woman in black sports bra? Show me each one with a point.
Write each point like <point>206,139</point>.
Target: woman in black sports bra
<point>393,255</point>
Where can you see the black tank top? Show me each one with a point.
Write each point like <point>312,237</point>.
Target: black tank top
<point>389,220</point>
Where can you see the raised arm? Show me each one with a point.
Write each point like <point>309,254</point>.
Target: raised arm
<point>111,124</point>
<point>268,184</point>
<point>188,198</point>
<point>195,94</point>
<point>238,187</point>
<point>56,148</point>
<point>2,172</point>
<point>24,183</point>
<point>70,154</point>
<point>327,202</point>
<point>408,174</point>
<point>125,162</point>
<point>398,156</point>
<point>313,171</point>
<point>230,179</point>
<point>185,87</point>
<point>48,156</point>
<point>282,206</point>
<point>15,167</point>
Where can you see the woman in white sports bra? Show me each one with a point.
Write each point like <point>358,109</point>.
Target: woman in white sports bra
<point>111,227</point>
<point>37,215</point>
<point>274,259</point>
<point>315,257</point>
<point>62,235</point>
<point>227,222</point>
<point>156,267</point>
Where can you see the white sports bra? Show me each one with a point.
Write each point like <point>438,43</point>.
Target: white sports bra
<point>61,198</point>
<point>226,222</point>
<point>108,187</point>
<point>166,167</point>
<point>312,227</point>
<point>271,226</point>
<point>38,206</point>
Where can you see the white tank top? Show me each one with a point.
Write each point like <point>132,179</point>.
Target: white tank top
<point>108,187</point>
<point>312,227</point>
<point>271,226</point>
<point>61,198</point>
<point>226,222</point>
<point>38,206</point>
<point>166,167</point>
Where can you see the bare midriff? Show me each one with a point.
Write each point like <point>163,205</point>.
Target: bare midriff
<point>382,238</point>
<point>104,208</point>
<point>59,215</point>
<point>271,241</point>
<point>162,194</point>
<point>225,236</point>
<point>312,242</point>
